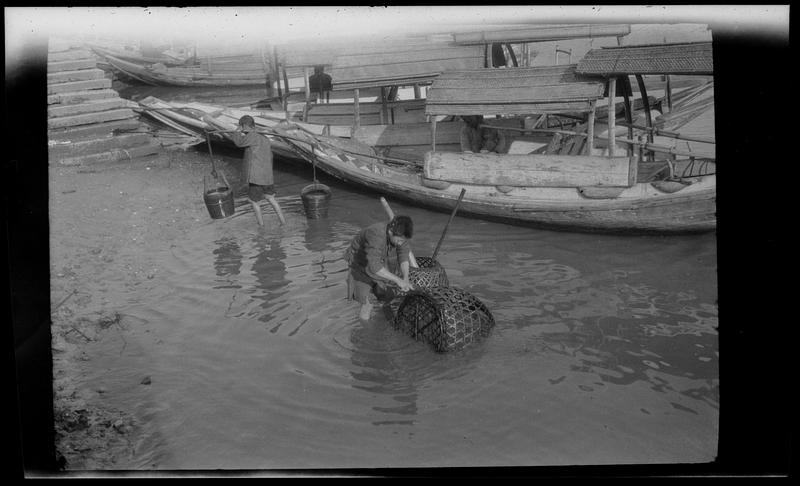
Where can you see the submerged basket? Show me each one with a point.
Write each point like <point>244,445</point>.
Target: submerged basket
<point>447,318</point>
<point>315,200</point>
<point>429,274</point>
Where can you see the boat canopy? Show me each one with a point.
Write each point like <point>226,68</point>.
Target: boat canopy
<point>678,58</point>
<point>516,91</point>
<point>542,34</point>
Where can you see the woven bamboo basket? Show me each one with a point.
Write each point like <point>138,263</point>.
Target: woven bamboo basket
<point>446,318</point>
<point>429,274</point>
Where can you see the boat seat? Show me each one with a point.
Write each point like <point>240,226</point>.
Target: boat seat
<point>562,144</point>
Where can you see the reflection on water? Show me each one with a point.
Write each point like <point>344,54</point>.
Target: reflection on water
<point>604,349</point>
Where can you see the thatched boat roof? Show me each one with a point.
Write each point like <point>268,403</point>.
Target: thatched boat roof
<point>678,58</point>
<point>556,89</point>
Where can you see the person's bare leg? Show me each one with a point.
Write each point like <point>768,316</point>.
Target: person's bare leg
<point>366,311</point>
<point>257,210</point>
<point>275,205</point>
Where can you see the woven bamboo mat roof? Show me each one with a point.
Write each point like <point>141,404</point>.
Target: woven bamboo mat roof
<point>683,58</point>
<point>396,62</point>
<point>556,89</point>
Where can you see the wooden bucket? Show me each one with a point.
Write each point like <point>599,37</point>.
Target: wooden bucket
<point>315,200</point>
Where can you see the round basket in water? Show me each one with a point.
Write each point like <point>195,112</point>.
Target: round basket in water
<point>315,200</point>
<point>447,318</point>
<point>219,202</point>
<point>429,274</point>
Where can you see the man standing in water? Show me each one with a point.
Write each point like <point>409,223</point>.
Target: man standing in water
<point>367,257</point>
<point>257,170</point>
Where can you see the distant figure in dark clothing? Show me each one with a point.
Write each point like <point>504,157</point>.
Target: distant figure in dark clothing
<point>477,139</point>
<point>493,140</point>
<point>471,138</point>
<point>320,84</point>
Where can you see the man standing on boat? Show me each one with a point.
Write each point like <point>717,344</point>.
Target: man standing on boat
<point>257,170</point>
<point>368,255</point>
<point>320,84</point>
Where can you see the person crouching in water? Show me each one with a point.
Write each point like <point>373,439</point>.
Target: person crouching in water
<point>367,257</point>
<point>257,170</point>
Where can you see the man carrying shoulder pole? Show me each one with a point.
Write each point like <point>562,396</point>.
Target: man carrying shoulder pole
<point>257,170</point>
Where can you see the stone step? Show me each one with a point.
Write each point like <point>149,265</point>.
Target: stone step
<point>114,155</point>
<point>69,55</point>
<point>89,147</point>
<point>78,75</point>
<point>90,118</point>
<point>71,65</point>
<point>101,83</point>
<point>75,97</point>
<point>93,131</point>
<point>94,106</point>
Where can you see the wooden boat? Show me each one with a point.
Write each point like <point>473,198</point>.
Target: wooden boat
<point>584,177</point>
<point>241,71</point>
<point>139,58</point>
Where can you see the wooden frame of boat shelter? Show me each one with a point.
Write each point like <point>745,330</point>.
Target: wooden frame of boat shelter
<point>613,63</point>
<point>543,91</point>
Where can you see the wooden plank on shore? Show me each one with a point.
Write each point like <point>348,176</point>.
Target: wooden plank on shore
<point>102,83</point>
<point>89,118</point>
<point>97,130</point>
<point>69,55</point>
<point>409,134</point>
<point>114,155</point>
<point>94,106</point>
<point>71,65</point>
<point>94,146</point>
<point>76,97</point>
<point>78,75</point>
<point>533,170</point>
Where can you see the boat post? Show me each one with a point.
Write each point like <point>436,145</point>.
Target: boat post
<point>589,129</point>
<point>669,94</point>
<point>612,116</point>
<point>383,105</point>
<point>276,71</point>
<point>286,86</point>
<point>308,93</point>
<point>356,111</point>
<point>433,133</point>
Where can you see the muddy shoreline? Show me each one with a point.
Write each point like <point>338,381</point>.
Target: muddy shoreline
<point>105,222</point>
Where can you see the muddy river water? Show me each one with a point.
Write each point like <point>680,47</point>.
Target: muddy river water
<point>605,349</point>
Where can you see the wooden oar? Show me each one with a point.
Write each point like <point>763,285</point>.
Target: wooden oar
<point>438,245</point>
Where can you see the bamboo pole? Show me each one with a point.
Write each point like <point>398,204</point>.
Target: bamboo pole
<point>626,97</point>
<point>662,149</point>
<point>646,102</point>
<point>612,89</point>
<point>444,232</point>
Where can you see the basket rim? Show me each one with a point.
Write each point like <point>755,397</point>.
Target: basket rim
<point>315,187</point>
